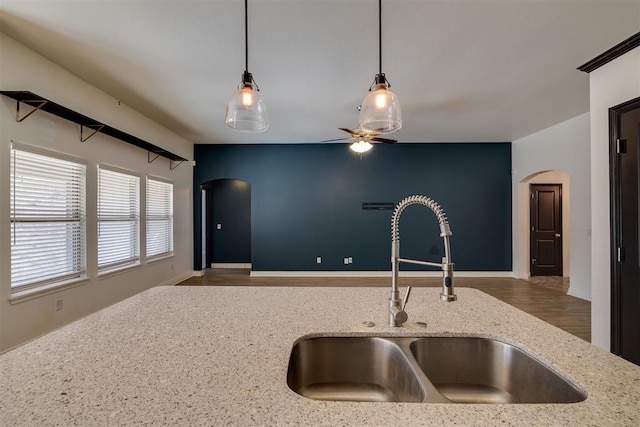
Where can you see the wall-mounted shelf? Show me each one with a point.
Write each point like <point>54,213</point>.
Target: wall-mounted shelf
<point>40,103</point>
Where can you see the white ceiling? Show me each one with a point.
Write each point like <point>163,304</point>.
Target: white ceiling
<point>475,70</point>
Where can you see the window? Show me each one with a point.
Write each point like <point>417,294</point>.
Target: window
<point>159,218</point>
<point>47,218</point>
<point>118,219</point>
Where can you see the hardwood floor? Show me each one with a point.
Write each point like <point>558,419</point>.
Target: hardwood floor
<point>543,298</point>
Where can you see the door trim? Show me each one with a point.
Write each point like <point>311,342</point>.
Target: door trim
<point>522,262</point>
<point>560,239</point>
<point>615,114</point>
<point>208,189</point>
<point>613,53</point>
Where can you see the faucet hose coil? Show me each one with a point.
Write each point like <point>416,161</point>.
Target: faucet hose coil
<point>422,200</point>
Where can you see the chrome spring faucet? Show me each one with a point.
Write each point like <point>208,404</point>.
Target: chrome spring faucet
<point>397,314</point>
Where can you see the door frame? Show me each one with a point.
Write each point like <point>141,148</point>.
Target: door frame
<point>531,214</point>
<point>522,227</point>
<point>208,233</point>
<point>615,114</point>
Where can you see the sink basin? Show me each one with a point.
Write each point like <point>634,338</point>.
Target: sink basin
<point>481,370</point>
<point>423,370</point>
<point>362,369</point>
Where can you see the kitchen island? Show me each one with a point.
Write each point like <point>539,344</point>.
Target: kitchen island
<point>219,356</point>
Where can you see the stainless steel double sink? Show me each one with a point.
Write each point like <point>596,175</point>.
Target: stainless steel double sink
<point>425,369</point>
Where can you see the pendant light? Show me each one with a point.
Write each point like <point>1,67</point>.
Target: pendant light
<point>245,110</point>
<point>380,111</point>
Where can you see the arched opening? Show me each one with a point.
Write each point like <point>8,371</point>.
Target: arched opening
<point>226,224</point>
<point>524,215</point>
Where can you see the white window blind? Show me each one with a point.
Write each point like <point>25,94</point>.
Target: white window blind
<point>159,218</point>
<point>118,219</point>
<point>47,218</point>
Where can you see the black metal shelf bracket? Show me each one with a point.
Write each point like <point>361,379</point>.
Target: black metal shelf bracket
<point>96,129</point>
<point>175,163</point>
<point>40,103</point>
<point>149,159</point>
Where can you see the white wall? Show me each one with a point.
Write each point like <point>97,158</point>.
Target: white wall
<point>610,85</point>
<point>23,69</point>
<point>561,148</point>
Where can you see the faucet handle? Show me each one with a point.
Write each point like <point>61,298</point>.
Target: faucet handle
<point>397,315</point>
<point>406,297</point>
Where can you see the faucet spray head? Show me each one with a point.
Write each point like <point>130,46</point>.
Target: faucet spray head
<point>447,294</point>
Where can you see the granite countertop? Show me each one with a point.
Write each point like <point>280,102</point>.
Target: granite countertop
<point>219,355</point>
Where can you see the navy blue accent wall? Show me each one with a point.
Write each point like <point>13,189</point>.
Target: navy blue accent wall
<point>307,202</point>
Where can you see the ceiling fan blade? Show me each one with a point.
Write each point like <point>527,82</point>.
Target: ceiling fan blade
<point>337,139</point>
<point>352,132</point>
<point>384,140</point>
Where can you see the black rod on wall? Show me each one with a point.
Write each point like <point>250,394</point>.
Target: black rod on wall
<point>40,103</point>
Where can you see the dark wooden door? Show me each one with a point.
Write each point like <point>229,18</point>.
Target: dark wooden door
<point>546,229</point>
<point>625,263</point>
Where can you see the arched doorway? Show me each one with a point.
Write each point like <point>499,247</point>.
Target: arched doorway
<point>226,224</point>
<point>524,214</point>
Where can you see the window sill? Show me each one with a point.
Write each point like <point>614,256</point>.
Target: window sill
<point>116,271</point>
<point>29,294</point>
<point>159,258</point>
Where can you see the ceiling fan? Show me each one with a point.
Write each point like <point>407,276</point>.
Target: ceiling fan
<point>361,141</point>
<point>360,135</point>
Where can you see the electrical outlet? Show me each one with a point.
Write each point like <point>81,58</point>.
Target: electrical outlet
<point>346,261</point>
<point>59,304</point>
<point>219,226</point>
<point>350,260</point>
<point>319,260</point>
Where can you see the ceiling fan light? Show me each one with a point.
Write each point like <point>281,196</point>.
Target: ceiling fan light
<point>361,146</point>
<point>380,112</point>
<point>246,111</point>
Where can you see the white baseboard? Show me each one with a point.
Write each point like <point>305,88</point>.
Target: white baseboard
<point>378,274</point>
<point>176,280</point>
<point>230,265</point>
<point>524,276</point>
<point>198,273</point>
<point>580,295</point>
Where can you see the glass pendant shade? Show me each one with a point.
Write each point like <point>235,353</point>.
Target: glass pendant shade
<point>246,111</point>
<point>380,112</point>
<point>361,146</point>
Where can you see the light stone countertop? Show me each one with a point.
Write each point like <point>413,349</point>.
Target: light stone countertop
<point>218,356</point>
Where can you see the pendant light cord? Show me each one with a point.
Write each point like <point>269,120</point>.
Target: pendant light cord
<point>380,33</point>
<point>380,77</point>
<point>246,37</point>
